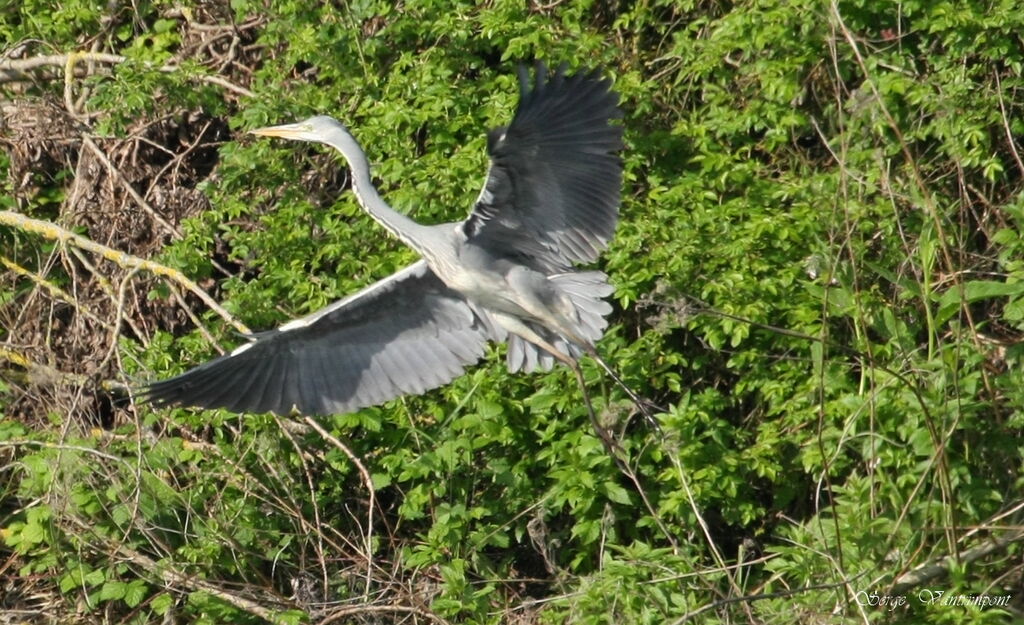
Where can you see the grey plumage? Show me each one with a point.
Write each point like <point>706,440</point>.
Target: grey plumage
<point>554,182</point>
<point>507,272</point>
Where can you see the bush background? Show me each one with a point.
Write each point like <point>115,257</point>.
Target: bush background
<point>818,273</point>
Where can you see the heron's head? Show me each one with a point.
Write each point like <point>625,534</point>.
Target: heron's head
<point>316,128</point>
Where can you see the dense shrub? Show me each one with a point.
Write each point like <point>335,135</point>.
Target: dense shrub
<point>818,274</point>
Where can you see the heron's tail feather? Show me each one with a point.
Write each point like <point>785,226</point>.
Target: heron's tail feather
<point>585,290</point>
<point>526,357</point>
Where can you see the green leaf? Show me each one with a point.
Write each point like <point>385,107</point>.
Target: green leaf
<point>616,493</point>
<point>94,577</point>
<point>974,291</point>
<point>113,590</point>
<point>135,592</point>
<point>31,534</point>
<point>161,603</point>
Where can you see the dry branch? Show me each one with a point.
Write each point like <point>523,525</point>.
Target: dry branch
<point>367,481</point>
<point>65,237</point>
<point>340,613</point>
<point>178,579</point>
<point>40,374</point>
<point>18,69</point>
<point>116,173</point>
<point>942,566</point>
<point>55,291</point>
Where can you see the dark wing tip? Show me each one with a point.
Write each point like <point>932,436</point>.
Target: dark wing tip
<point>544,80</point>
<point>561,91</point>
<point>524,80</point>
<point>192,387</point>
<point>540,75</point>
<point>494,137</point>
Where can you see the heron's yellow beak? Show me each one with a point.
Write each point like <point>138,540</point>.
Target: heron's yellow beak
<point>286,131</point>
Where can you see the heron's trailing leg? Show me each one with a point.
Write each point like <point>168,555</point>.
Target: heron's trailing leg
<point>527,333</point>
<point>610,445</point>
<point>642,404</point>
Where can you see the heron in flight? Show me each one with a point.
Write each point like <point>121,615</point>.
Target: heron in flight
<point>507,273</point>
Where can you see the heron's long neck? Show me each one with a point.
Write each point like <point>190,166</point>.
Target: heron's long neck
<point>408,231</point>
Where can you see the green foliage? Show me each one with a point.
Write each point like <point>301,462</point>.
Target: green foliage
<point>818,273</point>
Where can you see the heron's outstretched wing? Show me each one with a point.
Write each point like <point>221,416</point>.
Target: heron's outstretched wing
<point>404,334</point>
<point>552,191</point>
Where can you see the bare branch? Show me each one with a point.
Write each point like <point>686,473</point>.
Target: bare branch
<point>17,70</point>
<point>341,613</point>
<point>937,568</point>
<point>56,233</point>
<point>55,291</point>
<point>40,374</point>
<point>116,173</point>
<point>367,481</point>
<point>165,570</point>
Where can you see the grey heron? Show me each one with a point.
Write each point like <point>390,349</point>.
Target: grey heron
<point>506,273</point>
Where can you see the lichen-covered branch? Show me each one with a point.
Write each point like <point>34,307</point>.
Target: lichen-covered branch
<point>66,237</point>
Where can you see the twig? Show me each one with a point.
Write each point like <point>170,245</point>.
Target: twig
<point>926,196</point>
<point>119,315</point>
<point>174,577</point>
<point>171,229</point>
<point>341,613</point>
<point>1006,124</point>
<point>116,173</point>
<point>37,373</point>
<point>715,553</point>
<point>108,290</point>
<point>64,447</point>
<point>318,524</point>
<point>13,69</point>
<point>367,481</point>
<point>993,521</point>
<point>929,571</point>
<point>196,321</point>
<point>55,291</point>
<point>16,70</point>
<point>616,452</point>
<point>56,233</point>
<point>762,596</point>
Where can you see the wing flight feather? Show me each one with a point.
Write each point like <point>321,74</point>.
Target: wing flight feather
<point>404,334</point>
<point>552,189</point>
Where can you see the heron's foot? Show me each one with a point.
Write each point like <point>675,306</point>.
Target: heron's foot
<point>648,409</point>
<point>608,440</point>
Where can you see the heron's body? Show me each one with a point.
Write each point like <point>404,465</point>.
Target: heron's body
<point>508,272</point>
<point>505,288</point>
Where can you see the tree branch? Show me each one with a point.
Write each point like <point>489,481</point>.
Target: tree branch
<point>65,237</point>
<point>17,70</point>
<point>40,374</point>
<point>931,570</point>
